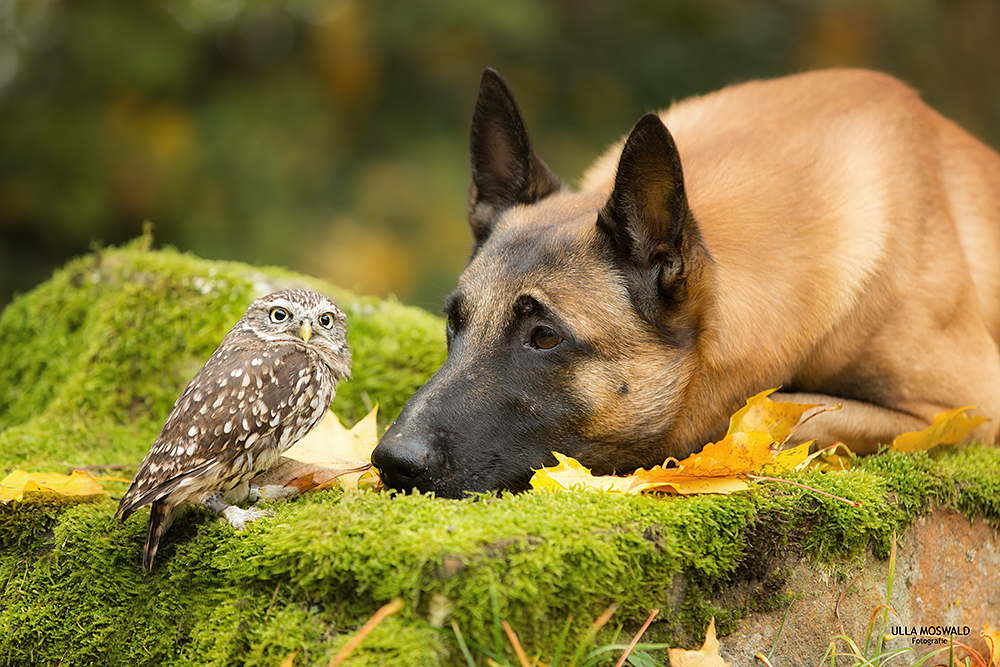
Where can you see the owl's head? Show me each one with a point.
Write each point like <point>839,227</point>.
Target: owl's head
<point>299,316</point>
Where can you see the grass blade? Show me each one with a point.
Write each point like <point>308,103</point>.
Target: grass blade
<point>462,645</point>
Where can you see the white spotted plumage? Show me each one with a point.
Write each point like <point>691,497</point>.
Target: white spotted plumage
<point>269,383</point>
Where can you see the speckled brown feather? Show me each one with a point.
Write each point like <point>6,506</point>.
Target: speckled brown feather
<point>259,393</point>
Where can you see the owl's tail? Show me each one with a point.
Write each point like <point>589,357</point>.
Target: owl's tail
<point>160,518</point>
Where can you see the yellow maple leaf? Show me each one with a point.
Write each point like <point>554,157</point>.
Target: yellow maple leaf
<point>570,474</point>
<point>77,483</point>
<point>331,445</point>
<point>661,481</point>
<point>788,459</point>
<point>756,432</point>
<point>949,428</point>
<point>706,656</point>
<point>779,420</point>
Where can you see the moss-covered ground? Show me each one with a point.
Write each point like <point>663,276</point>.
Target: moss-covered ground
<point>90,364</point>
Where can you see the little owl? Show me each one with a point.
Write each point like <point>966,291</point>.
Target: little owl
<point>269,383</point>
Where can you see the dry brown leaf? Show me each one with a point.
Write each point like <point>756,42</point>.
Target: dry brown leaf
<point>949,428</point>
<point>305,476</point>
<point>77,483</point>
<point>706,656</point>
<point>330,445</point>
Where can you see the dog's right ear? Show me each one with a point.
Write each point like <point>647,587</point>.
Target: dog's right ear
<point>505,169</point>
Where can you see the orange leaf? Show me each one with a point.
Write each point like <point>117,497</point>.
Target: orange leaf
<point>707,656</point>
<point>736,454</point>
<point>949,428</point>
<point>993,639</point>
<point>719,467</point>
<point>77,483</point>
<point>331,445</point>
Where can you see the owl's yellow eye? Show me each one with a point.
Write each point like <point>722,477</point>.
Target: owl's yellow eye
<point>326,320</point>
<point>279,314</point>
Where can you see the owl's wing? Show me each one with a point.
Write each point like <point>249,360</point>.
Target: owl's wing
<point>240,397</point>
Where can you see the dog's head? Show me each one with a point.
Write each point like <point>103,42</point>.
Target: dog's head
<point>573,328</point>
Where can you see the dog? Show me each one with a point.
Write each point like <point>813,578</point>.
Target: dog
<point>826,232</point>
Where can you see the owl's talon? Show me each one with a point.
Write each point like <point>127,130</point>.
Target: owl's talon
<point>239,518</point>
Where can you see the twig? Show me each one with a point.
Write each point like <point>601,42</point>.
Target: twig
<point>114,466</point>
<point>635,640</point>
<point>522,657</point>
<point>274,598</point>
<point>836,607</point>
<point>386,610</point>
<point>852,503</point>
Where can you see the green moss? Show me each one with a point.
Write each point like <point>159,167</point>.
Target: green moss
<point>90,365</point>
<point>972,473</point>
<point>92,360</point>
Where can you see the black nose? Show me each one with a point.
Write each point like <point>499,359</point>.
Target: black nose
<point>402,461</point>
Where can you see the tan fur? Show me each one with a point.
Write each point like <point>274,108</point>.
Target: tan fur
<point>851,226</point>
<point>826,232</point>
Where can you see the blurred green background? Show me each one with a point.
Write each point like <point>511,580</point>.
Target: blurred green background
<point>330,136</point>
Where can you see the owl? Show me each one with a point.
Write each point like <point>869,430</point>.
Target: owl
<point>269,383</point>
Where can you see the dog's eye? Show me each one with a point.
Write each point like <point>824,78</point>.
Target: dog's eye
<point>544,338</point>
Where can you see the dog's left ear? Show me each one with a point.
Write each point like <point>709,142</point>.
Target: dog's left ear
<point>646,219</point>
<point>505,169</point>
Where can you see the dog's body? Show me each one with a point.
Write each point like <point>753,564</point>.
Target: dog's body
<point>829,233</point>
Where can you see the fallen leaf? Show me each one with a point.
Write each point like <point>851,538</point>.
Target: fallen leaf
<point>779,420</point>
<point>661,481</point>
<point>993,639</point>
<point>570,474</point>
<point>290,660</point>
<point>706,656</point>
<point>755,435</point>
<point>332,446</point>
<point>715,469</point>
<point>949,428</point>
<point>788,459</point>
<point>828,458</point>
<point>306,476</point>
<point>77,483</point>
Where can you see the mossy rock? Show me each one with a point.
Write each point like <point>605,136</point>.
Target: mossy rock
<point>92,361</point>
<point>90,364</point>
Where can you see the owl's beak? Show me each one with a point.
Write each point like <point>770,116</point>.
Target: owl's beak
<point>305,331</point>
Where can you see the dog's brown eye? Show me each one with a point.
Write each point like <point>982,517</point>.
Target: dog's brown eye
<point>545,338</point>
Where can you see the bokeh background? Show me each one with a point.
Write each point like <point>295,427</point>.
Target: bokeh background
<point>330,136</point>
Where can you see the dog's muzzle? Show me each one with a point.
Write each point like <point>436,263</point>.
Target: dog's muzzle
<point>403,462</point>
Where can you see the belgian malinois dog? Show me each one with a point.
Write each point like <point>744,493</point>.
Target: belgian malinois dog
<point>825,232</point>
